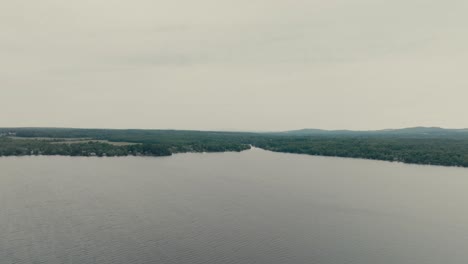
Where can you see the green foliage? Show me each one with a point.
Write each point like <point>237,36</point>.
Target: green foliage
<point>45,141</point>
<point>440,149</point>
<point>435,151</point>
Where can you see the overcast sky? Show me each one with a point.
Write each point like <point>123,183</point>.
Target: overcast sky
<point>234,65</point>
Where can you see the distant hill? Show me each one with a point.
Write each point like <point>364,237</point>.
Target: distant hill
<point>411,131</point>
<point>425,130</point>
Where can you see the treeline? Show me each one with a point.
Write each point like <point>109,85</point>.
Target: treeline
<point>10,147</point>
<point>408,148</point>
<point>22,147</point>
<point>172,137</point>
<point>434,151</point>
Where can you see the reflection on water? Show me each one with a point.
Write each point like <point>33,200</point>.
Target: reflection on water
<point>249,207</point>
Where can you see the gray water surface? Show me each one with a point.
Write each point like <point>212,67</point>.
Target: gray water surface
<point>250,207</point>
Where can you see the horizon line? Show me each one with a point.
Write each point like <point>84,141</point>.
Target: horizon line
<point>234,130</point>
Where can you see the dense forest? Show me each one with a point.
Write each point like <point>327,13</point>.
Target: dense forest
<point>418,145</point>
<point>99,142</point>
<point>434,151</point>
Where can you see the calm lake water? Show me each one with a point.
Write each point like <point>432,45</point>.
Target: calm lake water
<point>250,207</point>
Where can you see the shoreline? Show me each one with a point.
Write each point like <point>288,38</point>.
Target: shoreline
<point>252,148</point>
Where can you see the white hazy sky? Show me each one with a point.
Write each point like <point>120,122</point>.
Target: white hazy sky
<point>234,65</point>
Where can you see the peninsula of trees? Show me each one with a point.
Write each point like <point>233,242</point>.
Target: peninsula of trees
<point>419,145</point>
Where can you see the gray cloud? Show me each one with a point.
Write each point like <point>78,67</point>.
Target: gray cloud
<point>253,65</point>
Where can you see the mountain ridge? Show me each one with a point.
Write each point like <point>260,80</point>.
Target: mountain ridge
<point>418,130</point>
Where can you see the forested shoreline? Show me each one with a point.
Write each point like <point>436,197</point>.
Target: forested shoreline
<point>15,147</point>
<point>437,149</point>
<point>434,151</point>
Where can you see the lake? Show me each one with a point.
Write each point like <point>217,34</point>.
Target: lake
<point>249,207</point>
